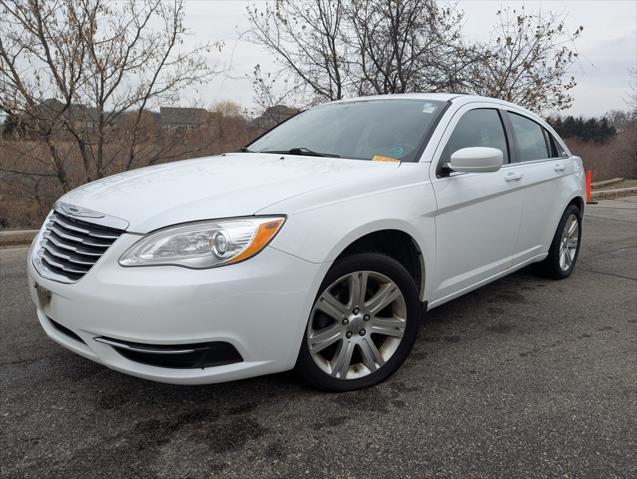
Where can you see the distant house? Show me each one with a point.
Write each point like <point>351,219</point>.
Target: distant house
<point>127,119</point>
<point>274,115</point>
<point>84,117</point>
<point>52,111</point>
<point>46,112</point>
<point>76,115</point>
<point>175,117</point>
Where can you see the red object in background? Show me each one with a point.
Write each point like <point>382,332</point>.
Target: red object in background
<point>589,179</point>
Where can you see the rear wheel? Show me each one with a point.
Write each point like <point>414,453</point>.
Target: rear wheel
<point>560,262</point>
<point>363,324</point>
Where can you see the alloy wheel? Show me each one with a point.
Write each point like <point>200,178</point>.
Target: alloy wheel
<point>356,325</point>
<point>569,242</point>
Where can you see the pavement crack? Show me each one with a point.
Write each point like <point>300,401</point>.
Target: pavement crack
<point>608,274</point>
<point>608,252</point>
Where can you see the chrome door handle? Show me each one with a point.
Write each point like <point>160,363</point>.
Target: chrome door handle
<point>558,167</point>
<point>513,176</point>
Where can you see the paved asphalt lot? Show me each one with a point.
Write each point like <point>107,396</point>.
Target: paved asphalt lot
<point>523,378</point>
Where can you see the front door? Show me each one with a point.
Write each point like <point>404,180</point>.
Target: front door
<point>478,214</point>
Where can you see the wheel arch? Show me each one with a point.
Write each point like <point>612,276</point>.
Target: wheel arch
<point>577,201</point>
<point>395,243</point>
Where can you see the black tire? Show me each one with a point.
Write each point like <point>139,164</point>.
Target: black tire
<point>550,266</point>
<point>307,368</point>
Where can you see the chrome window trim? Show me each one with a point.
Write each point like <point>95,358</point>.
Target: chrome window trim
<point>531,162</point>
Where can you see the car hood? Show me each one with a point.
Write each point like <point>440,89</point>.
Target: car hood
<point>223,186</point>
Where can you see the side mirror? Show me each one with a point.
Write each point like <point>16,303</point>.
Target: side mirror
<point>479,159</point>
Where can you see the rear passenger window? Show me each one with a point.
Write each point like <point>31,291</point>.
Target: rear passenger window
<point>532,144</point>
<point>556,147</point>
<point>480,127</point>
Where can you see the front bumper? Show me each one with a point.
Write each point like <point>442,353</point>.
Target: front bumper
<point>259,306</point>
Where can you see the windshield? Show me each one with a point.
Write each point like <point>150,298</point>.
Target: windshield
<point>366,130</point>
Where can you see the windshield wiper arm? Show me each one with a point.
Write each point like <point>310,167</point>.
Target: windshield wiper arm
<point>302,151</point>
<point>245,150</point>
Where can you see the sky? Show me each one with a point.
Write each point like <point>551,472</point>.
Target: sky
<point>607,48</point>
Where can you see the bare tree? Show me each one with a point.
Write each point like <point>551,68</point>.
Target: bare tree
<point>332,49</point>
<point>329,50</point>
<point>631,100</point>
<point>272,89</point>
<point>307,38</point>
<point>82,74</point>
<point>405,46</point>
<point>527,61</point>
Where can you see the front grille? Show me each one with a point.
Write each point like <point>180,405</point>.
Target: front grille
<point>70,247</point>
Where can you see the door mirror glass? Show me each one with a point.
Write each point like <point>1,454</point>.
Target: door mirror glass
<point>480,159</point>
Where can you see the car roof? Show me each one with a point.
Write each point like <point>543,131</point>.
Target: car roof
<point>457,99</point>
<point>399,96</point>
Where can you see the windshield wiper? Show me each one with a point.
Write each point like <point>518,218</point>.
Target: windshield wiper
<point>245,150</point>
<point>302,151</point>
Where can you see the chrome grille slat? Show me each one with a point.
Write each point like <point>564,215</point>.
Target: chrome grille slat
<point>84,251</point>
<point>77,239</point>
<point>52,249</point>
<point>98,250</point>
<point>57,219</point>
<point>46,256</point>
<point>69,247</point>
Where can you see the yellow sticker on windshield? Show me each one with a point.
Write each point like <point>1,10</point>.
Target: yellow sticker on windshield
<point>384,158</point>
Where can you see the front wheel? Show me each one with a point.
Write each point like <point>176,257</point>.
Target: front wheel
<point>564,249</point>
<point>363,324</point>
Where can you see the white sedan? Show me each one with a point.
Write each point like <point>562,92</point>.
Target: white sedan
<point>317,247</point>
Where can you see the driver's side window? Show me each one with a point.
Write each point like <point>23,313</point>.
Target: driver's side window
<point>479,127</point>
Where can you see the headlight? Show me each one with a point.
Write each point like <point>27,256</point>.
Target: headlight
<point>204,244</point>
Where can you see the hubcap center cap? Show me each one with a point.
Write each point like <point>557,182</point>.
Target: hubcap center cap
<point>356,323</point>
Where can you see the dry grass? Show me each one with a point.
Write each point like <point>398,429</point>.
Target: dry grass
<point>26,198</point>
<point>615,159</point>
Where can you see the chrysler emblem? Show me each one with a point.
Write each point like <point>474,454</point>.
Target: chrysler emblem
<point>72,210</point>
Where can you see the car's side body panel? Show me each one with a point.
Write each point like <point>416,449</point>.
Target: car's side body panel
<point>467,227</point>
<point>549,184</point>
<point>534,204</point>
<point>546,194</point>
<point>323,223</point>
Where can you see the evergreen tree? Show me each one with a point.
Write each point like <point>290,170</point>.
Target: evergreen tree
<point>589,130</point>
<point>606,131</point>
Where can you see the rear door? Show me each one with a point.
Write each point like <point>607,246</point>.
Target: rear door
<point>545,167</point>
<point>478,214</point>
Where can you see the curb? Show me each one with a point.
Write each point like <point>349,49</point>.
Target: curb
<point>597,184</point>
<point>607,194</point>
<point>17,237</point>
